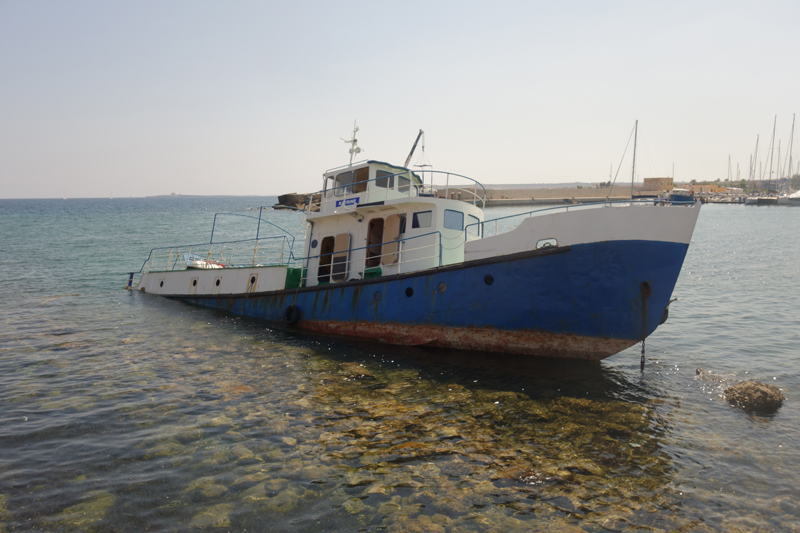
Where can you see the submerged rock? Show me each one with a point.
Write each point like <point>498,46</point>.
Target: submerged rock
<point>753,396</point>
<point>355,371</point>
<point>706,375</point>
<point>214,516</point>
<point>90,511</point>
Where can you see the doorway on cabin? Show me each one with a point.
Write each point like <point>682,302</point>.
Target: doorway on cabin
<point>374,242</point>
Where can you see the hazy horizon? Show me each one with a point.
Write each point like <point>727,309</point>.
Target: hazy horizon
<point>253,98</point>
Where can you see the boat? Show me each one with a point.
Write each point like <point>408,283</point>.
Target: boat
<point>681,196</point>
<point>406,257</point>
<point>761,200</point>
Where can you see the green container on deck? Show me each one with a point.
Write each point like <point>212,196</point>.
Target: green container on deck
<point>293,277</point>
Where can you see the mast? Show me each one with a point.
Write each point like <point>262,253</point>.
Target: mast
<point>771,153</point>
<point>789,177</point>
<point>354,149</point>
<point>729,168</point>
<point>633,169</point>
<point>753,170</point>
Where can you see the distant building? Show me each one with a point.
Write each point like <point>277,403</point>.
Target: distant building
<point>658,184</point>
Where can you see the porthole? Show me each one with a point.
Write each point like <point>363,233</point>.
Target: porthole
<point>442,286</point>
<point>194,283</point>
<point>409,292</point>
<point>161,284</point>
<point>217,282</point>
<point>488,279</point>
<point>546,243</point>
<point>252,279</point>
<point>377,296</point>
<point>314,243</point>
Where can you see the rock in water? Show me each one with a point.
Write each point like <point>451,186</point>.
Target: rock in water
<point>355,371</point>
<point>753,396</point>
<point>706,375</point>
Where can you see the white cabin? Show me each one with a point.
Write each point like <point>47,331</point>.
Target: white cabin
<point>376,219</point>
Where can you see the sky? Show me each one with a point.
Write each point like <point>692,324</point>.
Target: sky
<point>239,98</point>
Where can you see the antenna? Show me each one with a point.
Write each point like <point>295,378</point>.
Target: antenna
<point>354,149</point>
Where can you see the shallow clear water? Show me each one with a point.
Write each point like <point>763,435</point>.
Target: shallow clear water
<point>123,411</point>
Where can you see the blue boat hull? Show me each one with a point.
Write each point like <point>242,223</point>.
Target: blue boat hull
<point>584,301</point>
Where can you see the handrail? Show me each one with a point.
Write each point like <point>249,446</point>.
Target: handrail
<point>329,193</point>
<point>258,228</point>
<point>399,250</point>
<point>604,203</point>
<point>210,245</point>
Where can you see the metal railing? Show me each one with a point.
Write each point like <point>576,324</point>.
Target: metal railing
<point>409,251</point>
<point>230,254</point>
<point>379,189</point>
<point>500,225</point>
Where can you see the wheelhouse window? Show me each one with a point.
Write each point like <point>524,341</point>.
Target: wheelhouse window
<point>384,180</point>
<point>473,225</point>
<point>402,182</point>
<point>422,219</point>
<point>361,179</point>
<point>453,219</point>
<point>343,183</point>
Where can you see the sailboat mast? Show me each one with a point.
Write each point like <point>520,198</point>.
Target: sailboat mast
<point>771,154</point>
<point>729,168</point>
<point>791,139</point>
<point>633,169</point>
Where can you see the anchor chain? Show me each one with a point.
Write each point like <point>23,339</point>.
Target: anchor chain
<point>641,362</point>
<point>646,291</point>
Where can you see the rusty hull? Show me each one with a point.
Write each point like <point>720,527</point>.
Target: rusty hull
<point>535,343</point>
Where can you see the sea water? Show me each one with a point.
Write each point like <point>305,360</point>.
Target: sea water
<point>123,411</point>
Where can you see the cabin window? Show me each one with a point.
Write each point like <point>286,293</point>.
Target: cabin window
<point>402,182</point>
<point>325,259</point>
<point>374,241</point>
<point>341,247</point>
<point>473,225</point>
<point>384,180</point>
<point>422,219</point>
<point>343,183</point>
<point>453,219</point>
<point>394,226</point>
<point>360,182</point>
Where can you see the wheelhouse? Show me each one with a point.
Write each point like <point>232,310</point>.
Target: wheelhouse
<point>375,219</point>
